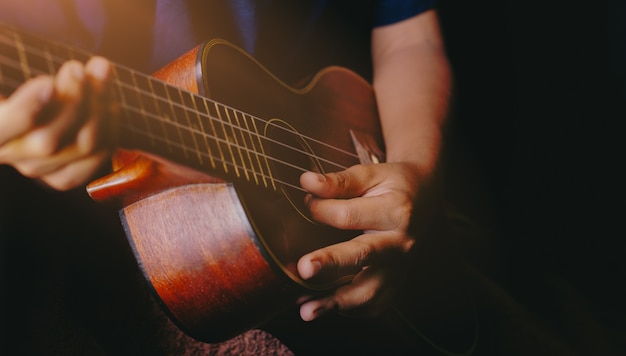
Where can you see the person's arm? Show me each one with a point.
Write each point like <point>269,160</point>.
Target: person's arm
<point>50,126</point>
<point>412,86</point>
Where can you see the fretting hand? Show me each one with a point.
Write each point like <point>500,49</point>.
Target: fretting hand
<point>51,126</point>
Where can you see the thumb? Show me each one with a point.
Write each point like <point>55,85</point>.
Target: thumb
<point>349,183</point>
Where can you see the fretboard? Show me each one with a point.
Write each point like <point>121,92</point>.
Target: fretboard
<point>157,117</point>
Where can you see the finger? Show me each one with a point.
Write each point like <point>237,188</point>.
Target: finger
<point>85,145</point>
<point>368,295</point>
<point>75,173</point>
<point>342,258</point>
<point>313,309</point>
<point>98,71</point>
<point>389,211</point>
<point>88,139</point>
<point>46,140</point>
<point>71,90</point>
<point>338,260</point>
<point>19,113</point>
<point>352,182</point>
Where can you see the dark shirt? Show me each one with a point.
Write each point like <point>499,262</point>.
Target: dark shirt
<point>292,38</point>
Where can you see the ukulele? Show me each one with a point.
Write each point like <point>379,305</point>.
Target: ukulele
<point>211,148</point>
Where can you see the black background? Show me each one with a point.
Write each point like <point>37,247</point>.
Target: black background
<point>539,102</point>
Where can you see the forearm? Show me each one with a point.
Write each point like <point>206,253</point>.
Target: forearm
<point>412,85</point>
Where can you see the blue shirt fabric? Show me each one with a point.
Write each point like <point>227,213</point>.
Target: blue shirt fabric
<point>391,11</point>
<point>290,37</point>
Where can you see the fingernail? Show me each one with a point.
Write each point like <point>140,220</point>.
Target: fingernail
<point>99,68</point>
<point>317,313</point>
<point>316,267</point>
<point>309,271</point>
<point>312,310</point>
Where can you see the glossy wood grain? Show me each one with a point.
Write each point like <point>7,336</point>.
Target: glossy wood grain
<point>221,257</point>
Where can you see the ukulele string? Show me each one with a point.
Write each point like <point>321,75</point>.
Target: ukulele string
<point>185,146</point>
<point>57,61</point>
<point>199,133</point>
<point>218,159</point>
<point>13,84</point>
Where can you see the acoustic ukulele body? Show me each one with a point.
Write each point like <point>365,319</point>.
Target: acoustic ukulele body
<point>220,250</point>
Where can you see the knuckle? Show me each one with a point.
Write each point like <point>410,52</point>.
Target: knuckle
<point>363,301</point>
<point>44,145</point>
<point>60,182</point>
<point>62,185</point>
<point>341,180</point>
<point>87,142</point>
<point>345,218</point>
<point>364,253</point>
<point>70,80</point>
<point>408,245</point>
<point>339,183</point>
<point>27,170</point>
<point>71,65</point>
<point>402,213</point>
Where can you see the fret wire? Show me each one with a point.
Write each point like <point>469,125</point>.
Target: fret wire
<point>129,107</point>
<point>84,53</point>
<point>142,109</point>
<point>254,148</point>
<point>256,179</point>
<point>7,84</point>
<point>123,100</point>
<point>219,147</point>
<point>182,147</point>
<point>292,132</point>
<point>135,131</point>
<point>15,65</point>
<point>172,118</point>
<point>193,137</point>
<point>150,104</point>
<point>21,52</point>
<point>267,163</point>
<point>9,65</point>
<point>52,58</point>
<point>126,104</point>
<point>223,123</point>
<point>229,145</point>
<point>49,62</point>
<point>206,141</point>
<point>38,61</point>
<point>237,144</point>
<point>163,106</point>
<point>182,144</point>
<point>265,156</point>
